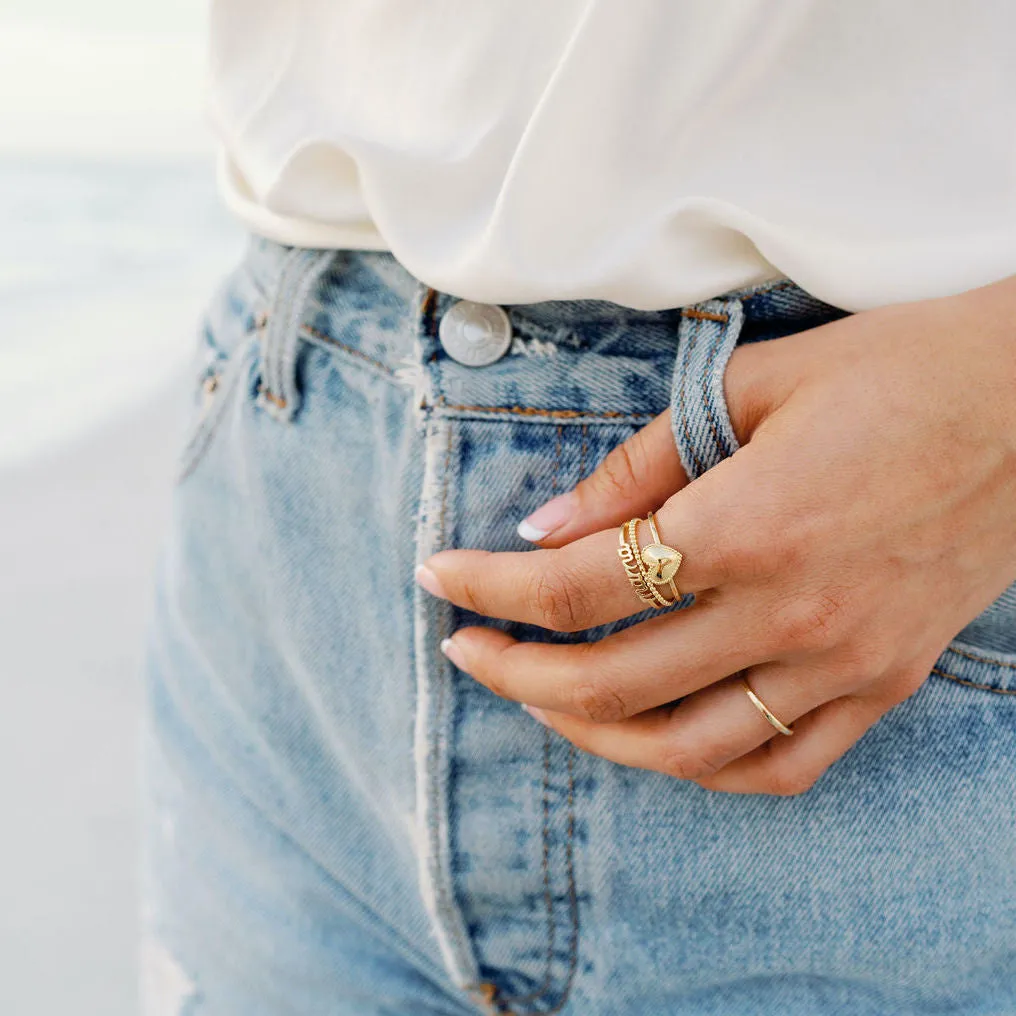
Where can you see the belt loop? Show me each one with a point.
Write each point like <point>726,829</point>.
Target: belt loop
<point>707,335</point>
<point>301,271</point>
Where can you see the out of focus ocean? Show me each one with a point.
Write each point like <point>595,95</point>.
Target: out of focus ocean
<point>112,238</point>
<point>105,267</point>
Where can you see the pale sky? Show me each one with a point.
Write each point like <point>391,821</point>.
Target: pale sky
<point>102,77</point>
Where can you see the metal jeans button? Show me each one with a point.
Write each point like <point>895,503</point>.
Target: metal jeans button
<point>475,334</point>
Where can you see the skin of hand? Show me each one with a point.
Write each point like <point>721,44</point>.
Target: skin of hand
<point>869,515</point>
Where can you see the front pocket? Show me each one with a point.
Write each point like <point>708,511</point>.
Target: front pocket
<point>226,344</point>
<point>977,670</point>
<point>982,657</point>
<point>217,382</point>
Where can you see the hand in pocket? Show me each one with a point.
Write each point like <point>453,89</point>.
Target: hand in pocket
<point>867,517</point>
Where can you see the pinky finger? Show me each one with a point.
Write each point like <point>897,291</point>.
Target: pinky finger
<point>791,765</point>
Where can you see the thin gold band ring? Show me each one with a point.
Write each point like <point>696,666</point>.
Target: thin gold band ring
<point>657,542</point>
<point>769,715</point>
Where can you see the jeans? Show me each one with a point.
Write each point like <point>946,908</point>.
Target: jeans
<point>338,821</point>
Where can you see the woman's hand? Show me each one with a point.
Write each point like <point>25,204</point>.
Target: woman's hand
<point>869,515</point>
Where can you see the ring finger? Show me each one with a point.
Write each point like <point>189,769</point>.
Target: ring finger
<point>708,729</point>
<point>623,674</point>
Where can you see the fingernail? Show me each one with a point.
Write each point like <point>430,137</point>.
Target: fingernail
<point>537,714</point>
<point>452,651</point>
<point>553,515</point>
<point>429,581</point>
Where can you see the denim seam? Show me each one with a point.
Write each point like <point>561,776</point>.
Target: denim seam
<point>443,404</point>
<point>578,415</point>
<point>540,993</point>
<point>573,901</point>
<point>548,895</point>
<point>548,972</point>
<point>573,896</point>
<point>973,684</point>
<point>724,341</point>
<point>444,490</point>
<point>445,890</point>
<point>980,659</point>
<point>722,445</point>
<point>313,333</point>
<point>429,325</point>
<point>434,674</point>
<point>704,315</point>
<point>455,930</point>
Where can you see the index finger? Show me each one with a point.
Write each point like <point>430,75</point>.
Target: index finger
<point>582,584</point>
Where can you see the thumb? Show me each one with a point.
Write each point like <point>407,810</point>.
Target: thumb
<point>635,477</point>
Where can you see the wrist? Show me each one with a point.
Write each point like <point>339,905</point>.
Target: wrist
<point>987,327</point>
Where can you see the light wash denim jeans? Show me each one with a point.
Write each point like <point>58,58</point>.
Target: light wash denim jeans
<point>339,822</point>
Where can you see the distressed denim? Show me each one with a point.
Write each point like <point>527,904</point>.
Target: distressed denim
<point>338,821</point>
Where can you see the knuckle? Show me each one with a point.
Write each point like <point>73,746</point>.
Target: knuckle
<point>618,475</point>
<point>494,670</point>
<point>599,702</point>
<point>908,682</point>
<point>812,622</point>
<point>860,663</point>
<point>744,554</point>
<point>557,600</point>
<point>685,763</point>
<point>471,595</point>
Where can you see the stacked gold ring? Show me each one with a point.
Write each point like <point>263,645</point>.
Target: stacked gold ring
<point>650,568</point>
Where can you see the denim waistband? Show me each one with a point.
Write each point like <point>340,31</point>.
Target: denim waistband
<point>770,309</point>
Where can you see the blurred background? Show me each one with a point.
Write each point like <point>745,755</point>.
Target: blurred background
<point>112,238</point>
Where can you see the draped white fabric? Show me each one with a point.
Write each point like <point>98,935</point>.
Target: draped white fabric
<point>649,152</point>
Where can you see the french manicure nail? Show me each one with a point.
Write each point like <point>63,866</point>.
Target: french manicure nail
<point>452,651</point>
<point>429,581</point>
<point>537,714</point>
<point>553,515</point>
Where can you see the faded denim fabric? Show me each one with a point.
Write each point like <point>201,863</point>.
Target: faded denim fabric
<point>338,821</point>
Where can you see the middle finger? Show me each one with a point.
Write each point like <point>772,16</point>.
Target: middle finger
<point>639,668</point>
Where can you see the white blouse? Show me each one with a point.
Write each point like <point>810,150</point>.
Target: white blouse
<point>649,152</point>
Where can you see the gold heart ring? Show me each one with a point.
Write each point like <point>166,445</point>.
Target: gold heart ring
<point>650,567</point>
